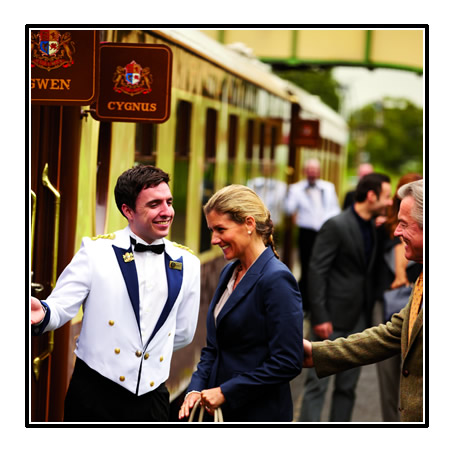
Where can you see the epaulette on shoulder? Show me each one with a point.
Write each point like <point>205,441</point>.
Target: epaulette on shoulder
<point>104,236</point>
<point>183,247</point>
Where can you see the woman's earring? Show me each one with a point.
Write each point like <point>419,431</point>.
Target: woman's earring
<point>249,232</point>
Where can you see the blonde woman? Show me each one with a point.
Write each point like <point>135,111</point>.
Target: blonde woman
<point>254,323</point>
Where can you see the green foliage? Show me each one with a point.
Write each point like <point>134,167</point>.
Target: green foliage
<point>317,82</point>
<point>389,134</point>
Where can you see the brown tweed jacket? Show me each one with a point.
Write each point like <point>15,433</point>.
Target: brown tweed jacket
<point>378,343</point>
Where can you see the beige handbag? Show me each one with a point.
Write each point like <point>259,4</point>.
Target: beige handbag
<point>218,416</point>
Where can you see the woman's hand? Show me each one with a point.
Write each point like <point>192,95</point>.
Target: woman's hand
<point>188,404</point>
<point>211,399</point>
<point>400,281</point>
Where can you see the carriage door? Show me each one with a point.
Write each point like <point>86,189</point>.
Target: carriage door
<point>55,142</point>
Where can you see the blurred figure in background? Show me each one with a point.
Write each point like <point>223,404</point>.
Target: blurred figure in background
<point>311,202</point>
<point>363,169</point>
<point>396,275</point>
<point>271,191</point>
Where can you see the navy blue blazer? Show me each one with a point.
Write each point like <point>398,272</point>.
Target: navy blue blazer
<point>257,346</point>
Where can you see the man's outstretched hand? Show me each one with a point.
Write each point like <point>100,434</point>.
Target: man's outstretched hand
<point>307,354</point>
<point>37,312</point>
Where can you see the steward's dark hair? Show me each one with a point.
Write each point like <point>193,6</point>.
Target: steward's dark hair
<point>132,181</point>
<point>370,182</point>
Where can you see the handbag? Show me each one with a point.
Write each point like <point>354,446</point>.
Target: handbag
<point>218,416</point>
<point>395,300</point>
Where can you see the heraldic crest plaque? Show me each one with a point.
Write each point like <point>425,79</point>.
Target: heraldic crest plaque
<point>134,83</point>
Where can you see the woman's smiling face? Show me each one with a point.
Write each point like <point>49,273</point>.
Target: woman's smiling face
<point>230,236</point>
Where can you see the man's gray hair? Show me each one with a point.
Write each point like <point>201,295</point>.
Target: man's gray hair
<point>414,190</point>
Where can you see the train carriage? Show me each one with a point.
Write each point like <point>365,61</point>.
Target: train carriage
<point>232,121</point>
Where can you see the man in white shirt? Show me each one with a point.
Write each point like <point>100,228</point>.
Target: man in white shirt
<point>271,191</point>
<point>311,202</point>
<point>139,303</point>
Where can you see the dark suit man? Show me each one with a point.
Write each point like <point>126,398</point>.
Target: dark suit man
<point>340,275</point>
<point>403,334</point>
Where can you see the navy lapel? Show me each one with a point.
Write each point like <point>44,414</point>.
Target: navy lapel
<point>222,284</point>
<point>174,274</point>
<point>128,267</point>
<point>247,282</point>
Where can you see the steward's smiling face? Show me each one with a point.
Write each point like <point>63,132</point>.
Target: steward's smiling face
<point>153,214</point>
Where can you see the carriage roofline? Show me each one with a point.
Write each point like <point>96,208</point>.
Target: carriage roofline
<point>332,125</point>
<point>220,55</point>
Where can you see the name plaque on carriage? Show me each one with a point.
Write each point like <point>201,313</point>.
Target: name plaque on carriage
<point>64,66</point>
<point>307,133</point>
<point>135,83</point>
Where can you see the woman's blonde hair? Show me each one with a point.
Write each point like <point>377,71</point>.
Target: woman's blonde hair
<point>240,202</point>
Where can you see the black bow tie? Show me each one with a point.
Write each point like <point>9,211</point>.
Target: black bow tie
<point>159,248</point>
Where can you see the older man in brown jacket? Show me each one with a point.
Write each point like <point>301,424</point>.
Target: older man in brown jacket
<point>403,334</point>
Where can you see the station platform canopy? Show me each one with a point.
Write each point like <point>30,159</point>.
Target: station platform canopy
<point>401,49</point>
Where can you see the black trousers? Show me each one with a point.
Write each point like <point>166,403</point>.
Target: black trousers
<point>93,398</point>
<point>306,238</point>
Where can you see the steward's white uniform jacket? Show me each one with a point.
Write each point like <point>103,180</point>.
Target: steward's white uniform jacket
<point>102,277</point>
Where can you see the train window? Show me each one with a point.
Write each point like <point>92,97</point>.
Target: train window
<point>208,173</point>
<point>262,141</point>
<point>183,132</point>
<point>145,143</point>
<point>211,133</point>
<point>232,146</point>
<point>249,147</point>
<point>103,163</point>
<point>273,141</point>
<point>181,170</point>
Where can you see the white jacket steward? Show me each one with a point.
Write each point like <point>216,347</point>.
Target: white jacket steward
<point>102,278</point>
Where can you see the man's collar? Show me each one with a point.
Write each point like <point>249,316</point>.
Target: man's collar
<point>317,184</point>
<point>141,241</point>
<point>359,217</point>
